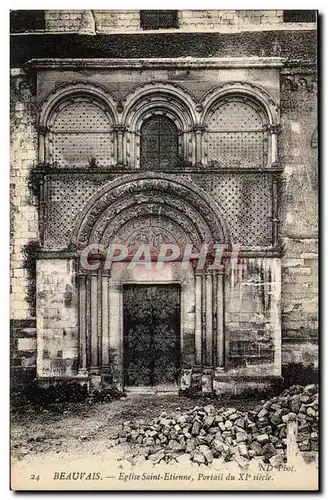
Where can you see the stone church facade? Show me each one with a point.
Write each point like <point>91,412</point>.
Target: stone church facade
<point>198,128</point>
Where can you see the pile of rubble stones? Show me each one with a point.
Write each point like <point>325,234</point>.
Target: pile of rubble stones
<point>211,431</point>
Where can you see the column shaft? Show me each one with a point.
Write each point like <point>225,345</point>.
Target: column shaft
<point>105,321</point>
<point>94,320</point>
<point>209,319</point>
<point>198,319</point>
<point>220,321</point>
<point>82,325</point>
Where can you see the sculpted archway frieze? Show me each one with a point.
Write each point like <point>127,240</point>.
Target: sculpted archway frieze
<point>151,202</point>
<point>195,231</point>
<point>152,229</point>
<point>159,190</point>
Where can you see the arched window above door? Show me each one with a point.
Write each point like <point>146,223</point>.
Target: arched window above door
<point>159,143</point>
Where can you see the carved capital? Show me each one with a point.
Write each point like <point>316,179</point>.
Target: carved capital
<point>105,272</point>
<point>120,129</point>
<point>199,129</point>
<point>274,129</point>
<point>42,129</point>
<point>71,247</point>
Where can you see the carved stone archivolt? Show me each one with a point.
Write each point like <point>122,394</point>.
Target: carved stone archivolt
<point>250,91</point>
<point>150,194</point>
<point>149,229</point>
<point>194,230</point>
<point>77,88</point>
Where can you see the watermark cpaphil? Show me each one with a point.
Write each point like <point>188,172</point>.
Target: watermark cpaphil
<point>220,257</point>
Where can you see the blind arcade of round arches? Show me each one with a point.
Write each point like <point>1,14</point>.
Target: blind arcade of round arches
<point>232,126</point>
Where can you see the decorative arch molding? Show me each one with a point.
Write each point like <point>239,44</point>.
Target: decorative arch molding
<point>159,98</point>
<point>250,90</point>
<point>152,227</point>
<point>256,97</point>
<point>64,94</point>
<point>155,193</point>
<point>147,204</point>
<point>172,91</point>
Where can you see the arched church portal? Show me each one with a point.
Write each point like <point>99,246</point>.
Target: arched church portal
<point>141,326</point>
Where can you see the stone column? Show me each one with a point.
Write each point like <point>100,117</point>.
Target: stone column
<point>198,318</point>
<point>120,130</point>
<point>274,131</point>
<point>82,325</point>
<point>275,218</point>
<point>94,365</point>
<point>220,320</point>
<point>42,142</point>
<point>209,318</point>
<point>198,134</point>
<point>203,297</point>
<point>116,332</point>
<point>105,320</point>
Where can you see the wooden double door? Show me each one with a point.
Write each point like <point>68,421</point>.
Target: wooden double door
<point>151,335</point>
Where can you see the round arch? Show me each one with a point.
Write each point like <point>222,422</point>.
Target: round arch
<point>67,91</point>
<point>119,201</point>
<point>89,95</point>
<point>175,95</point>
<point>158,98</point>
<point>263,152</point>
<point>254,92</point>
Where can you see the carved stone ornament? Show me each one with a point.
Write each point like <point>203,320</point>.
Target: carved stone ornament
<point>162,195</point>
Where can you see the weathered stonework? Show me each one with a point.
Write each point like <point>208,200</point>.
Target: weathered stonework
<point>111,21</point>
<point>57,319</point>
<point>237,330</point>
<point>299,217</point>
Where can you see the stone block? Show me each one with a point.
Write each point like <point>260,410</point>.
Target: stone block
<point>26,344</point>
<point>207,382</point>
<point>28,362</point>
<point>185,380</point>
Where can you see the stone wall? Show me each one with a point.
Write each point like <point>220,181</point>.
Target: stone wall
<point>63,20</point>
<point>109,21</point>
<point>299,217</point>
<point>57,320</point>
<point>252,318</point>
<point>24,214</point>
<point>211,19</point>
<point>24,228</point>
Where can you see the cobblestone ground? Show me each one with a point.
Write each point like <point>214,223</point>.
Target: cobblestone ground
<point>72,431</point>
